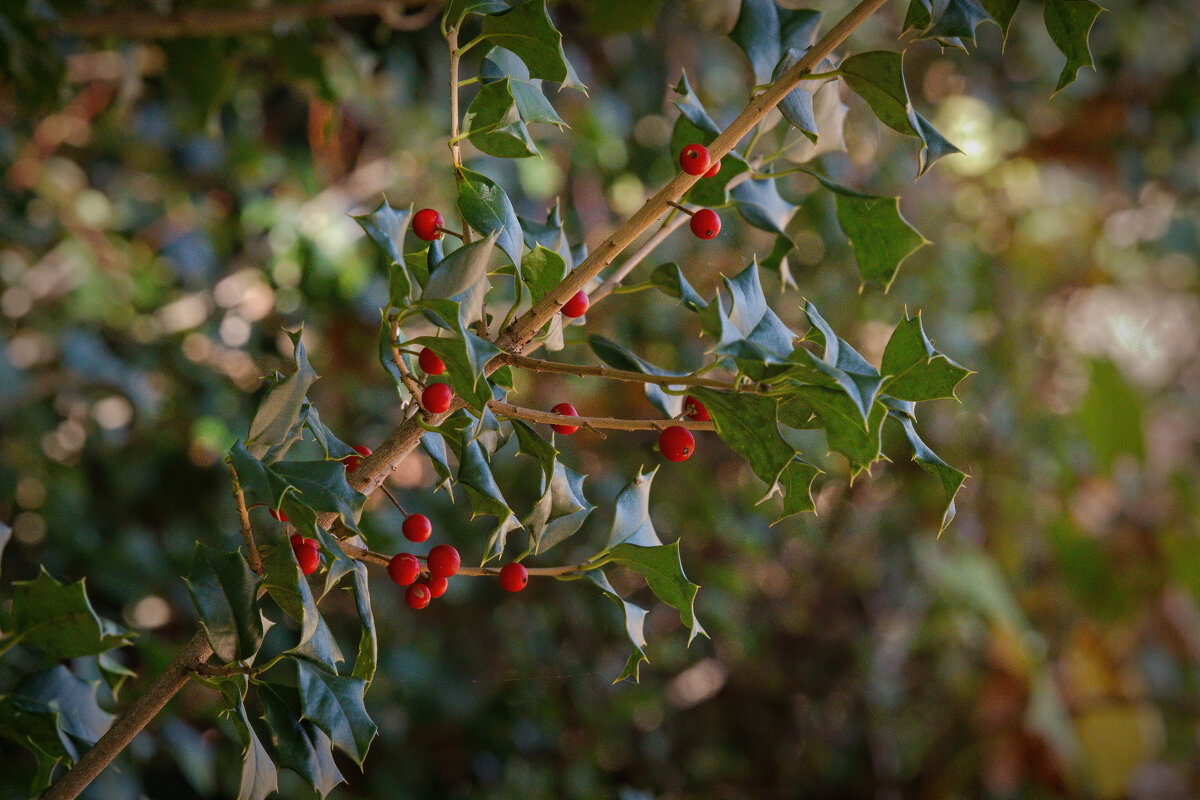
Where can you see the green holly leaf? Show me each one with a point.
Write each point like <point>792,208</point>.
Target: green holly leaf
<point>35,726</point>
<point>839,366</point>
<point>460,271</point>
<point>748,424</point>
<point>1002,11</point>
<point>494,125</point>
<point>631,516</point>
<point>751,331</point>
<point>713,192</point>
<point>693,111</point>
<point>333,447</point>
<point>777,261</point>
<point>260,776</point>
<point>387,357</point>
<point>530,443</point>
<point>457,10</point>
<point>225,592</point>
<point>322,486</point>
<point>844,431</point>
<point>952,21</point>
<point>1069,22</point>
<point>334,703</point>
<point>59,620</point>
<point>475,475</point>
<point>435,447</point>
<point>662,568</point>
<point>878,78</point>
<point>759,202</point>
<point>798,27</point>
<point>302,747</point>
<point>559,512</point>
<point>386,226</point>
<point>286,585</point>
<point>879,235</point>
<point>259,483</point>
<point>949,477</point>
<point>635,625</point>
<point>542,270</point>
<point>71,699</point>
<point>757,33</point>
<point>464,356</point>
<point>527,95</point>
<point>618,357</point>
<point>527,31</point>
<point>488,210</point>
<point>914,369</point>
<point>276,424</point>
<point>367,659</point>
<point>669,279</point>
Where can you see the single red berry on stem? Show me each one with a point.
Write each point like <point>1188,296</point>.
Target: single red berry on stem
<point>418,596</point>
<point>425,224</point>
<point>514,577</point>
<point>567,410</point>
<point>705,223</point>
<point>443,561</point>
<point>308,556</point>
<point>676,443</point>
<point>430,362</point>
<point>404,568</point>
<point>577,305</point>
<point>714,169</point>
<point>416,527</point>
<point>694,159</point>
<point>278,514</point>
<point>437,586</point>
<point>352,462</point>
<point>437,397</point>
<point>693,409</point>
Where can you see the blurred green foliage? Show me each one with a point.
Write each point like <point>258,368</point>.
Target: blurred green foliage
<point>169,208</point>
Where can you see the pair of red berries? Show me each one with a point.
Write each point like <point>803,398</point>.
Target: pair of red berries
<point>436,397</point>
<point>442,562</point>
<point>308,555</point>
<point>695,160</point>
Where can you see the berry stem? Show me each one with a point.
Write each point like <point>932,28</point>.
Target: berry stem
<point>670,224</point>
<point>410,382</point>
<point>539,365</point>
<point>682,208</point>
<point>395,502</point>
<point>592,423</point>
<point>455,234</point>
<point>244,515</point>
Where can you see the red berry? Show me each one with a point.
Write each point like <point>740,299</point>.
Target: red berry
<point>443,561</point>
<point>577,305</point>
<point>567,410</point>
<point>278,514</point>
<point>694,159</point>
<point>437,397</point>
<point>418,596</point>
<point>352,462</point>
<point>437,586</point>
<point>296,539</point>
<point>695,410</point>
<point>404,568</point>
<point>714,169</point>
<point>676,443</point>
<point>425,224</point>
<point>513,577</point>
<point>430,363</point>
<point>308,556</point>
<point>416,527</point>
<point>705,223</point>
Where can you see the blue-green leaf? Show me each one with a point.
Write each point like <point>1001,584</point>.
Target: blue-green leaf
<point>488,210</point>
<point>662,568</point>
<point>386,226</point>
<point>635,625</point>
<point>559,512</point>
<point>335,705</point>
<point>225,591</point>
<point>631,516</point>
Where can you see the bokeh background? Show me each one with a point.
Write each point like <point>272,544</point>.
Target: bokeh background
<point>168,208</point>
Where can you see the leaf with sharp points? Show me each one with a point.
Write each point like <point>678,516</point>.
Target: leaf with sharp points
<point>950,22</point>
<point>435,447</point>
<point>457,10</point>
<point>475,475</point>
<point>750,331</point>
<point>460,271</point>
<point>387,358</point>
<point>322,486</point>
<point>757,33</point>
<point>531,443</point>
<point>914,369</point>
<point>59,620</point>
<point>225,592</point>
<point>1069,22</point>
<point>527,31</point>
<point>840,366</point>
<point>618,357</point>
<point>759,202</point>
<point>74,700</point>
<point>662,568</point>
<point>334,703</point>
<point>878,78</point>
<point>950,478</point>
<point>559,512</point>
<point>843,426</point>
<point>493,123</point>
<point>367,658</point>
<point>635,625</point>
<point>276,423</point>
<point>748,425</point>
<point>35,726</point>
<point>797,106</point>
<point>631,515</point>
<point>799,27</point>
<point>777,261</point>
<point>669,279</point>
<point>1002,11</point>
<point>488,210</point>
<point>386,226</point>
<point>879,235</point>
<point>287,587</point>
<point>830,114</point>
<point>542,270</point>
<point>333,447</point>
<point>464,356</point>
<point>259,483</point>
<point>260,776</point>
<point>303,747</point>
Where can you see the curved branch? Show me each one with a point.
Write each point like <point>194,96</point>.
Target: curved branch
<point>244,515</point>
<point>609,423</point>
<point>558,367</point>
<point>619,274</point>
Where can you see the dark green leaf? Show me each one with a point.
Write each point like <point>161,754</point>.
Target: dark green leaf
<point>475,474</point>
<point>287,587</point>
<point>669,278</point>
<point>302,747</point>
<point>559,512</point>
<point>635,625</point>
<point>950,21</point>
<point>951,479</point>
<point>618,357</point>
<point>494,125</point>
<point>333,447</point>
<point>464,356</point>
<point>225,592</point>
<point>35,726</point>
<point>914,370</point>
<point>879,234</point>
<point>367,658</point>
<point>757,33</point>
<point>260,777</point>
<point>542,270</point>
<point>531,443</point>
<point>460,271</point>
<point>435,447</point>
<point>631,515</point>
<point>662,568</point>
<point>1002,11</point>
<point>276,424</point>
<point>322,486</point>
<point>527,31</point>
<point>456,10</point>
<point>58,619</point>
<point>488,210</point>
<point>839,366</point>
<point>335,705</point>
<point>844,430</point>
<point>1069,22</point>
<point>387,358</point>
<point>386,226</point>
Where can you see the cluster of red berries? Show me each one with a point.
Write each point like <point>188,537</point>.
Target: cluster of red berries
<point>676,443</point>
<point>694,160</point>
<point>436,397</point>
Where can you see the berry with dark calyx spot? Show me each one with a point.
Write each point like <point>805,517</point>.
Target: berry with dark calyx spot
<point>352,462</point>
<point>425,224</point>
<point>693,409</point>
<point>278,514</point>
<point>676,443</point>
<point>296,539</point>
<point>416,527</point>
<point>567,410</point>
<point>404,568</point>
<point>418,596</point>
<point>714,169</point>
<point>577,305</point>
<point>443,561</point>
<point>437,397</point>
<point>437,586</point>
<point>308,556</point>
<point>430,362</point>
<point>694,159</point>
<point>514,577</point>
<point>705,223</point>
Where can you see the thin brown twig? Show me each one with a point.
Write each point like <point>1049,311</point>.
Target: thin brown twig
<point>669,226</point>
<point>244,515</point>
<point>609,423</point>
<point>580,370</point>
